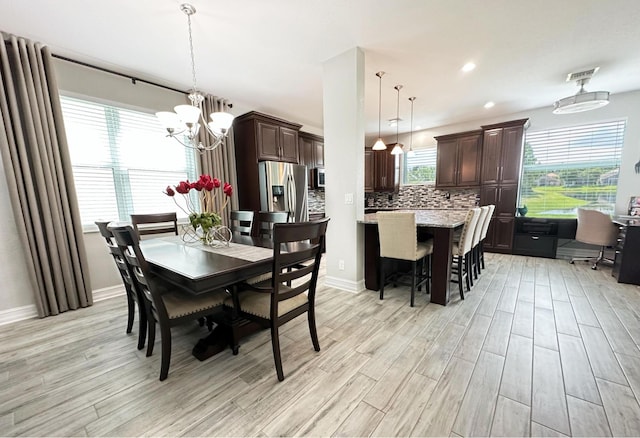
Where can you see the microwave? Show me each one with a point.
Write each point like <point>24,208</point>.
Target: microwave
<point>318,177</point>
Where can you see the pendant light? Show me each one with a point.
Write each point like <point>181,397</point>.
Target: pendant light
<point>397,149</point>
<point>379,144</point>
<point>410,152</point>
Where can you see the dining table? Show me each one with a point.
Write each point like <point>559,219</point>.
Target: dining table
<point>195,268</point>
<point>438,224</point>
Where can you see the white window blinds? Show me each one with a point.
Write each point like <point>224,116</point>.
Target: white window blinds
<point>421,168</point>
<point>567,168</point>
<point>122,161</point>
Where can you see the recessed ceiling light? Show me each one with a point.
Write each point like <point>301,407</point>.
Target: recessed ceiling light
<point>418,127</point>
<point>394,121</point>
<point>489,105</point>
<point>468,67</point>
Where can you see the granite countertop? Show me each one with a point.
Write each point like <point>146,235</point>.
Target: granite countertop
<point>429,218</point>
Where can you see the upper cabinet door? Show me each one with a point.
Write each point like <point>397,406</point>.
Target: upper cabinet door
<point>447,163</point>
<point>288,145</point>
<point>511,155</point>
<point>469,152</point>
<point>318,148</point>
<point>491,147</point>
<point>369,171</point>
<point>268,141</point>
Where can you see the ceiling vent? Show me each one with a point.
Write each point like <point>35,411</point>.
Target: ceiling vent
<point>583,100</point>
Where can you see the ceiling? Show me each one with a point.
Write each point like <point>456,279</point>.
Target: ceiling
<point>268,55</point>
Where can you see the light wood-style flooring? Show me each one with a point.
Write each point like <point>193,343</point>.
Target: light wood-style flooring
<point>539,347</point>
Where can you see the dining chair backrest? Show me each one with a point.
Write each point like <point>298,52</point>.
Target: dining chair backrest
<point>487,221</point>
<point>241,222</point>
<point>267,219</point>
<point>118,257</point>
<point>466,237</point>
<point>299,261</point>
<point>155,223</point>
<point>398,235</point>
<point>477,233</point>
<point>129,243</point>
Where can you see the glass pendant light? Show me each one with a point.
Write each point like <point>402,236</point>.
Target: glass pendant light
<point>379,144</point>
<point>410,152</point>
<point>397,149</point>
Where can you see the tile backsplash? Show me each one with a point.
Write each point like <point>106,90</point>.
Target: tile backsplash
<point>316,201</point>
<point>424,196</point>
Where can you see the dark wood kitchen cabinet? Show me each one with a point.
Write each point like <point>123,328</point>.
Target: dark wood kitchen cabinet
<point>260,137</point>
<point>502,147</point>
<point>380,173</point>
<point>459,160</point>
<point>502,153</point>
<point>266,138</point>
<point>311,150</point>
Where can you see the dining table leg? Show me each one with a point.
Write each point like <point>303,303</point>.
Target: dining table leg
<point>441,265</point>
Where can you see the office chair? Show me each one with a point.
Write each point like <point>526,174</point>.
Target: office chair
<point>595,228</point>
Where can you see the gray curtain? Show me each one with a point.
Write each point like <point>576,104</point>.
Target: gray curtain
<point>39,177</point>
<point>221,162</point>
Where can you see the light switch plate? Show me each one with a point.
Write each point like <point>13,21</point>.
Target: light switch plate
<point>348,198</point>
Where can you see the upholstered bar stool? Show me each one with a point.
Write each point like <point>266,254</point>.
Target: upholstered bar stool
<point>475,244</point>
<point>398,236</point>
<point>462,250</point>
<point>483,236</point>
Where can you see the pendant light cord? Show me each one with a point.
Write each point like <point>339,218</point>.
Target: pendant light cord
<point>398,87</point>
<point>411,134</point>
<point>379,74</point>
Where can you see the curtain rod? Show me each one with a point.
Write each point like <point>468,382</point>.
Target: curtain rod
<point>117,73</point>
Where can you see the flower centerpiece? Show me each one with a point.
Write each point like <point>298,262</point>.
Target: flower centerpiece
<point>207,223</point>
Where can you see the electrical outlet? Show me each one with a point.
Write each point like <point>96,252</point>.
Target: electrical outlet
<point>341,264</point>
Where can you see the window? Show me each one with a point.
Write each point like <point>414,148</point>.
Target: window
<point>567,168</point>
<point>122,161</point>
<point>421,168</point>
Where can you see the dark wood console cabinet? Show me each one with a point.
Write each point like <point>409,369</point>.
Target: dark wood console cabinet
<point>626,267</point>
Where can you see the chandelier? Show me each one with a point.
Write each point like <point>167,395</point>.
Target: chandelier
<point>185,122</point>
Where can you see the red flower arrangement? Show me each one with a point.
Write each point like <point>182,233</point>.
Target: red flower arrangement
<point>206,188</point>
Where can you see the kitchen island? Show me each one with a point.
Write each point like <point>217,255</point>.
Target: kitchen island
<point>439,223</point>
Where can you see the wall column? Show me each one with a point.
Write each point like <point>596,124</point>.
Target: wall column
<point>343,101</point>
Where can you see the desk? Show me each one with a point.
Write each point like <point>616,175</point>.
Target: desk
<point>442,224</point>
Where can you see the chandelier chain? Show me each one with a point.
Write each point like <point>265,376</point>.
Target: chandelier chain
<point>193,61</point>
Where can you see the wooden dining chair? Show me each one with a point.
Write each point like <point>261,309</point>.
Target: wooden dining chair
<point>134,295</point>
<point>155,223</point>
<point>169,307</point>
<point>398,236</point>
<point>272,303</point>
<point>266,220</point>
<point>461,252</point>
<point>241,222</point>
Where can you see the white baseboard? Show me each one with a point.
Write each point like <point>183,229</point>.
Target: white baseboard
<point>108,292</point>
<point>18,314</point>
<point>346,285</point>
<point>27,312</point>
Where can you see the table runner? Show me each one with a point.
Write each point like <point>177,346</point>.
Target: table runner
<point>238,251</point>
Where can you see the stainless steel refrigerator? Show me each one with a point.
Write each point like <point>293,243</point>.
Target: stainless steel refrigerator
<point>283,187</point>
